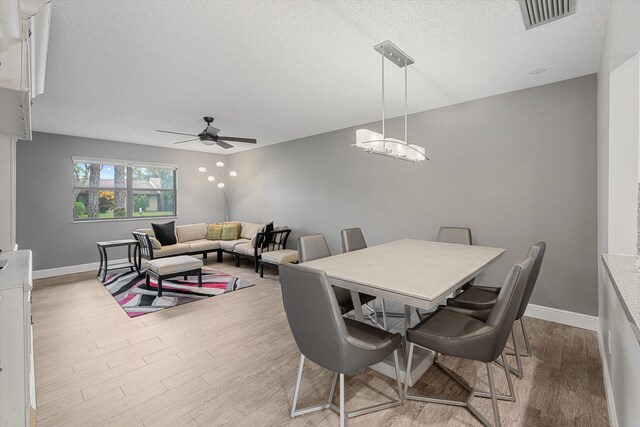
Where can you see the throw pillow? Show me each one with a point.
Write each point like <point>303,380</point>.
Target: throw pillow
<point>155,244</point>
<point>268,238</point>
<point>214,232</point>
<point>165,233</point>
<point>230,230</point>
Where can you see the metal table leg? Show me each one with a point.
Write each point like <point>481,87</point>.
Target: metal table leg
<point>357,306</point>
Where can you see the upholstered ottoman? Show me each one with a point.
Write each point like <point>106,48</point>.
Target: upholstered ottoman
<point>163,268</point>
<point>276,258</point>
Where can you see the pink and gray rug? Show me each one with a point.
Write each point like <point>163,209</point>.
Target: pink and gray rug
<point>131,292</point>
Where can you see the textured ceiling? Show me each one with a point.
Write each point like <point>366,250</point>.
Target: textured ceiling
<point>280,70</point>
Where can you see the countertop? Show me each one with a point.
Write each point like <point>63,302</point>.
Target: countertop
<point>625,279</point>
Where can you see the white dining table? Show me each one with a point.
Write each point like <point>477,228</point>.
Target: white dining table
<point>416,273</point>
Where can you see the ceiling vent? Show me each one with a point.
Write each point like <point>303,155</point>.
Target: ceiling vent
<point>540,12</point>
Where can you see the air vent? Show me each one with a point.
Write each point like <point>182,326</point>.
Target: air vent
<point>540,12</point>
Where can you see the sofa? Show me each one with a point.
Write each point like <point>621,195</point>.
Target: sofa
<point>192,240</point>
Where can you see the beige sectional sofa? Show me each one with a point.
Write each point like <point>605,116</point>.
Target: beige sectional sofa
<point>192,240</point>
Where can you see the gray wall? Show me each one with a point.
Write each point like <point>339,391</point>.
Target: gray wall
<point>45,195</point>
<point>516,168</point>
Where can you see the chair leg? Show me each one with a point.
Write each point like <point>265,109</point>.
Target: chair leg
<point>334,383</point>
<point>340,409</point>
<point>384,315</point>
<point>494,399</point>
<point>472,392</point>
<point>526,339</point>
<point>296,392</point>
<point>399,383</point>
<point>512,391</point>
<point>526,353</point>
<point>237,260</point>
<point>261,270</point>
<point>343,415</point>
<point>517,371</point>
<point>297,388</point>
<point>200,278</point>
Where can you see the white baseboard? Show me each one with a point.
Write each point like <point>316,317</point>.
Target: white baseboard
<point>71,269</point>
<point>564,317</point>
<point>611,406</point>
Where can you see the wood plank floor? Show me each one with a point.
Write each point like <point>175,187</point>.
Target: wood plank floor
<point>231,360</point>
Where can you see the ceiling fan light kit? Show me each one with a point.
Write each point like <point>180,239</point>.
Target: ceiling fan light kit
<point>376,143</point>
<point>209,136</point>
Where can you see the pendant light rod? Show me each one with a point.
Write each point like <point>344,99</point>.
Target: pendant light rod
<point>383,115</point>
<point>405,105</point>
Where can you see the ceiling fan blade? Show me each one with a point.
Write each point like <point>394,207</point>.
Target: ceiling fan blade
<point>188,140</point>
<point>235,139</point>
<point>175,133</point>
<point>224,144</point>
<point>210,130</point>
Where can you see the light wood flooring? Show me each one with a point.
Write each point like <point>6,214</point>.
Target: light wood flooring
<point>231,360</point>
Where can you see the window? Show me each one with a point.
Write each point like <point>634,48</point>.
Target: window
<point>106,189</point>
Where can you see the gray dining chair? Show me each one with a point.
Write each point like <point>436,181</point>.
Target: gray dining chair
<point>353,240</point>
<point>482,298</point>
<point>458,236</point>
<point>449,332</point>
<point>314,246</point>
<point>341,345</point>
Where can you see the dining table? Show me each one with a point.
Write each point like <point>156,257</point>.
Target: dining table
<point>419,274</point>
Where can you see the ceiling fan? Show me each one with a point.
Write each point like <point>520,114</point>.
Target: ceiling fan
<point>209,136</point>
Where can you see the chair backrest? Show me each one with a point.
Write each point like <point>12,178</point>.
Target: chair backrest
<point>146,249</point>
<point>503,313</point>
<point>352,240</point>
<point>313,314</point>
<point>533,277</point>
<point>272,240</point>
<point>459,235</point>
<point>312,246</point>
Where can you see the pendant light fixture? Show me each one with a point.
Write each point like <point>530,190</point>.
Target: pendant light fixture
<point>376,143</point>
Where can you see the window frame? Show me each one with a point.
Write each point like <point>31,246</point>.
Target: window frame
<point>129,187</point>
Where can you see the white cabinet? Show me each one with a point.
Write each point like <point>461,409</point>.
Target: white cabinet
<point>16,343</point>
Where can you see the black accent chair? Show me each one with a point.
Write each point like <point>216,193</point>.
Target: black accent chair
<point>452,333</point>
<point>314,246</point>
<point>341,345</point>
<point>480,299</point>
<point>266,241</point>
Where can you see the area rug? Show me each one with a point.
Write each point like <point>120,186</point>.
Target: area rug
<point>130,290</point>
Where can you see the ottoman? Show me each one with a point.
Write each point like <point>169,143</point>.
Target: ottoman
<point>276,258</point>
<point>163,268</point>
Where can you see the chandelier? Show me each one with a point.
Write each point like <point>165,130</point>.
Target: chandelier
<point>376,143</point>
